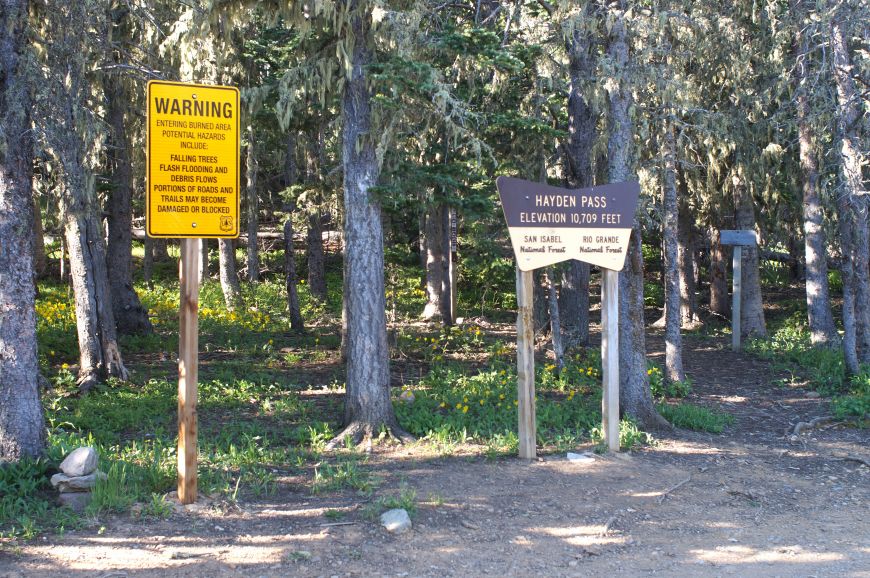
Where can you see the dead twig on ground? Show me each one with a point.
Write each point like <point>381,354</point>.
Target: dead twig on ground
<point>669,491</point>
<point>858,459</point>
<point>331,524</point>
<point>607,525</point>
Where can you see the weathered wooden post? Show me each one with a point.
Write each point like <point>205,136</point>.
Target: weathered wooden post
<point>193,193</point>
<point>549,225</point>
<point>738,239</point>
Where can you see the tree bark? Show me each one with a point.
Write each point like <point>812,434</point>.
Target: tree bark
<point>719,302</point>
<point>368,407</point>
<point>751,308</point>
<point>252,168</point>
<point>574,304</point>
<point>446,286</point>
<point>131,317</point>
<point>314,237</point>
<point>40,260</point>
<point>823,332</point>
<point>230,285</point>
<point>99,353</point>
<point>673,339</point>
<point>686,260</point>
<point>203,270</point>
<point>850,343</point>
<point>297,324</point>
<point>435,234</point>
<point>635,398</point>
<point>22,425</point>
<point>574,297</point>
<point>555,325</point>
<point>849,117</point>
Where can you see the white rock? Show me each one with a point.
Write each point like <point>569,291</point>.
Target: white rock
<point>584,458</point>
<point>65,483</point>
<point>396,521</point>
<point>80,462</point>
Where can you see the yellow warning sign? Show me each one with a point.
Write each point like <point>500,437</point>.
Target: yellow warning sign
<point>193,160</point>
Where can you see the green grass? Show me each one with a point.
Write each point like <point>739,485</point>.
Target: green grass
<point>694,417</point>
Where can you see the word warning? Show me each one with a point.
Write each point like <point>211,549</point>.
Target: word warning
<point>549,224</point>
<point>193,160</point>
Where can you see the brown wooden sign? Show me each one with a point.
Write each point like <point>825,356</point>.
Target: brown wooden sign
<point>550,224</point>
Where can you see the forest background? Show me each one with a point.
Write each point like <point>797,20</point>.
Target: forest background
<point>370,130</point>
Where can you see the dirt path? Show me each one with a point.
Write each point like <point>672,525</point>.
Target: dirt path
<point>750,502</point>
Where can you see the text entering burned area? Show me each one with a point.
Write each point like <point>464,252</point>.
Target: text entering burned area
<point>194,183</point>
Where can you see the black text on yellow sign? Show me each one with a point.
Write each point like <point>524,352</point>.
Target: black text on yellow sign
<point>193,160</point>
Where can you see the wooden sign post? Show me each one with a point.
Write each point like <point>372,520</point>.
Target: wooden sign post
<point>738,239</point>
<point>193,193</point>
<point>549,225</point>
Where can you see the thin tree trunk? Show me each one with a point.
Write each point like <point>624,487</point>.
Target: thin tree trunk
<point>253,168</point>
<point>22,425</point>
<point>555,326</point>
<point>148,262</point>
<point>314,237</point>
<point>203,269</point>
<point>849,117</point>
<point>719,302</point>
<point>574,304</point>
<point>40,261</point>
<point>686,260</point>
<point>446,287</point>
<point>368,406</point>
<point>635,399</point>
<point>297,324</point>
<point>130,316</point>
<point>820,318</point>
<point>99,353</point>
<point>230,285</point>
<point>673,339</point>
<point>850,343</point>
<point>752,307</point>
<point>434,233</point>
<point>574,297</point>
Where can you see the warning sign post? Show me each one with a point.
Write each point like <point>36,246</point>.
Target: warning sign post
<point>193,193</point>
<point>193,160</point>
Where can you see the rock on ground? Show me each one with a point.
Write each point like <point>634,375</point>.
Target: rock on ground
<point>80,462</point>
<point>396,521</point>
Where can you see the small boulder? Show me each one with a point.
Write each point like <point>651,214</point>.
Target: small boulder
<point>396,521</point>
<point>80,462</point>
<point>66,484</point>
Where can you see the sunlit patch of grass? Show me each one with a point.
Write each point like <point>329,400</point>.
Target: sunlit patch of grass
<point>695,417</point>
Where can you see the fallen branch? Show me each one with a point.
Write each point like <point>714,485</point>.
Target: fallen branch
<point>331,524</point>
<point>806,425</point>
<point>673,489</point>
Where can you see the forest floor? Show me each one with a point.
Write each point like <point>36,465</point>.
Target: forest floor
<point>757,500</point>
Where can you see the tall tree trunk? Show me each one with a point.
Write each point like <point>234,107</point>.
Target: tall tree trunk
<point>574,304</point>
<point>131,317</point>
<point>230,285</point>
<point>40,261</point>
<point>686,259</point>
<point>821,320</point>
<point>850,342</point>
<point>446,285</point>
<point>253,168</point>
<point>99,353</point>
<point>367,403</point>
<point>148,262</point>
<point>203,270</point>
<point>574,297</point>
<point>555,325</point>
<point>849,117</point>
<point>296,322</point>
<point>673,339</point>
<point>314,237</point>
<point>719,303</point>
<point>22,425</point>
<point>751,307</point>
<point>435,234</point>
<point>635,399</point>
